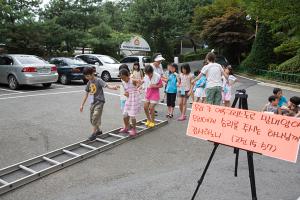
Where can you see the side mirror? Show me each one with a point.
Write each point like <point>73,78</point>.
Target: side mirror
<point>97,63</point>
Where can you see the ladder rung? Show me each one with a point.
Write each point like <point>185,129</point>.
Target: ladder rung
<point>27,169</point>
<point>88,146</point>
<point>141,127</point>
<point>3,182</point>
<point>51,161</point>
<point>70,153</point>
<point>118,136</point>
<point>104,141</point>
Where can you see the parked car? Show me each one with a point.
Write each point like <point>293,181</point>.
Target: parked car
<point>130,60</point>
<point>106,66</point>
<point>18,69</point>
<point>70,69</point>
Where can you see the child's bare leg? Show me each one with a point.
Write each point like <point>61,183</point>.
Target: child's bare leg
<point>146,109</point>
<point>126,122</point>
<point>133,121</point>
<point>203,99</point>
<point>198,99</point>
<point>227,103</point>
<point>184,106</point>
<point>181,105</point>
<point>152,113</point>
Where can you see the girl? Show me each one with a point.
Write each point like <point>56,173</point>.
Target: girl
<point>133,103</point>
<point>137,73</point>
<point>171,89</point>
<point>185,84</point>
<point>152,82</point>
<point>228,82</point>
<point>123,98</point>
<point>199,89</point>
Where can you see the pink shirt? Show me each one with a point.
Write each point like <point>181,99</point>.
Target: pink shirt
<point>153,93</point>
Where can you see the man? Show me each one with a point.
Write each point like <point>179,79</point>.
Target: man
<point>214,73</point>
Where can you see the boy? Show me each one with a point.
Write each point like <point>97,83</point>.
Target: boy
<point>272,106</point>
<point>95,94</point>
<point>282,99</point>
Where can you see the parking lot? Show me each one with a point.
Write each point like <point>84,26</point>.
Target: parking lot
<point>163,164</point>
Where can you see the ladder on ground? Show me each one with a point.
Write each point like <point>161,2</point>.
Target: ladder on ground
<point>27,171</point>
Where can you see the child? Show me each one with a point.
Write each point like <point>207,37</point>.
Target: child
<point>152,82</point>
<point>123,98</point>
<point>272,106</point>
<point>228,81</point>
<point>171,89</point>
<point>94,91</point>
<point>282,99</point>
<point>185,84</point>
<point>293,109</point>
<point>132,104</point>
<point>199,89</point>
<point>137,73</point>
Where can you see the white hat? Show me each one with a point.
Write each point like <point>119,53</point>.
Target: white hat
<point>159,58</point>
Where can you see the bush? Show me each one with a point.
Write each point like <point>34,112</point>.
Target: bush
<point>262,50</point>
<point>292,65</point>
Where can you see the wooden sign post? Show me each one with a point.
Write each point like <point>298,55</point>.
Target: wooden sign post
<point>270,135</point>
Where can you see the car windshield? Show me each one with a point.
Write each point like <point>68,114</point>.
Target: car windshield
<point>108,60</point>
<point>30,60</point>
<point>74,61</point>
<point>147,60</point>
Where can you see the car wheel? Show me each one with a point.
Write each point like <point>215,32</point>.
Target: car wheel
<point>64,80</point>
<point>106,76</point>
<point>13,82</point>
<point>47,85</point>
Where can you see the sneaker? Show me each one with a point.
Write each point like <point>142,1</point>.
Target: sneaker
<point>124,130</point>
<point>151,125</point>
<point>94,135</point>
<point>168,116</point>
<point>171,115</point>
<point>132,132</point>
<point>147,123</point>
<point>162,101</point>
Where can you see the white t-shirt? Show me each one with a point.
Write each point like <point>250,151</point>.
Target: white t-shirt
<point>213,72</point>
<point>158,70</point>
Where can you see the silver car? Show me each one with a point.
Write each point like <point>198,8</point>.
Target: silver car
<point>17,69</point>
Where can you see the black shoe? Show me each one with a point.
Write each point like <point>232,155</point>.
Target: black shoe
<point>155,111</point>
<point>94,135</point>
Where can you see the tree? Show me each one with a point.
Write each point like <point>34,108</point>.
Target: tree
<point>261,54</point>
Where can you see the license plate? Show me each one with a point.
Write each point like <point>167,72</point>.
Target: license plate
<point>43,70</point>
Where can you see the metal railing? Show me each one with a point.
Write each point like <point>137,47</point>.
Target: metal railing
<point>272,75</point>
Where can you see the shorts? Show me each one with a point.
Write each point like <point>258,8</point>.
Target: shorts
<point>226,96</point>
<point>96,114</point>
<point>200,92</point>
<point>152,101</point>
<point>186,94</point>
<point>171,99</point>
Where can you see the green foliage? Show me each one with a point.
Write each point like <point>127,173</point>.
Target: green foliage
<point>199,55</point>
<point>288,47</point>
<point>292,65</point>
<point>261,54</point>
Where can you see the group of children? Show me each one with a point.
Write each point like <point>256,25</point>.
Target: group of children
<point>135,83</point>
<point>278,104</point>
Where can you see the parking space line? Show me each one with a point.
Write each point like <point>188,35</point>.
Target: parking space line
<point>44,94</point>
<point>8,90</point>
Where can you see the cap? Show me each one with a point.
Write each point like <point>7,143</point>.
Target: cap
<point>159,58</point>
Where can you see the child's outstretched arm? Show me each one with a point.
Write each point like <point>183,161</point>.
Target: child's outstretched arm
<point>83,101</point>
<point>112,87</point>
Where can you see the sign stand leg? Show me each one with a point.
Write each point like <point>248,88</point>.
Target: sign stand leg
<point>237,152</point>
<point>251,174</point>
<point>205,170</point>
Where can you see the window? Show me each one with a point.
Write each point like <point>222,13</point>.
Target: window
<point>146,60</point>
<point>130,60</point>
<point>30,59</point>
<point>74,61</point>
<point>108,60</point>
<point>6,61</point>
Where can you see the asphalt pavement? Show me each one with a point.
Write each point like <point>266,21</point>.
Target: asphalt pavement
<point>163,164</point>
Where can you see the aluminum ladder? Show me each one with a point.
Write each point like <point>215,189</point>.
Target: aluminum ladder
<point>30,170</point>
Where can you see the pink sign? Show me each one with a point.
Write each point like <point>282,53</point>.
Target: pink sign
<point>271,135</point>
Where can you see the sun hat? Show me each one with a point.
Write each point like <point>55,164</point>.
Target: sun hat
<point>159,58</point>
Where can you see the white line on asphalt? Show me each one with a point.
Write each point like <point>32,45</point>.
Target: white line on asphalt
<point>44,94</point>
<point>276,86</point>
<point>10,90</point>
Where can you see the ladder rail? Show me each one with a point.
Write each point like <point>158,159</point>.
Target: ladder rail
<point>7,186</point>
